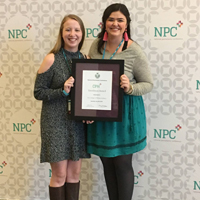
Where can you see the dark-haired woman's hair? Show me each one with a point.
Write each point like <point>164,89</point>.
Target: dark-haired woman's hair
<point>113,8</point>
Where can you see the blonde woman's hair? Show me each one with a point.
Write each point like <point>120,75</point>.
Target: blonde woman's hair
<point>60,42</point>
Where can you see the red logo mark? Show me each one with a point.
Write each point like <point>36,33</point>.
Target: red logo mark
<point>33,121</point>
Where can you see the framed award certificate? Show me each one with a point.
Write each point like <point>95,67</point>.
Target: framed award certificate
<point>96,94</point>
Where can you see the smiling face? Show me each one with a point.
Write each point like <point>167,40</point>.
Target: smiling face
<point>71,34</point>
<point>116,24</point>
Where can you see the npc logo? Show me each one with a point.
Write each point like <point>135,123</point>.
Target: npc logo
<point>4,169</point>
<point>168,131</point>
<point>92,32</point>
<point>19,33</point>
<point>168,33</point>
<point>137,177</point>
<point>24,126</point>
<point>140,179</point>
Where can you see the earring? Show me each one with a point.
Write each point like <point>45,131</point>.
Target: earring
<point>105,36</point>
<point>126,36</point>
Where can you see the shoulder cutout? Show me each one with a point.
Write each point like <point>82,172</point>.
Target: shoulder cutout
<point>46,63</point>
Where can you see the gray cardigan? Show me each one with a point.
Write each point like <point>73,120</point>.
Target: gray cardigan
<point>136,66</point>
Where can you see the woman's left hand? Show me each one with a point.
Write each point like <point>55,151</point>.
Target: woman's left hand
<point>124,82</point>
<point>88,121</point>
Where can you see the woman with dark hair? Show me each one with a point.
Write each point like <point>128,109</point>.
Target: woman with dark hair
<point>63,139</point>
<point>115,142</point>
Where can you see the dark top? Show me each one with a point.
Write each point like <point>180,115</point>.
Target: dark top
<point>62,137</point>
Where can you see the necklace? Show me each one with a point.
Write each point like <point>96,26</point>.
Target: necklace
<point>115,50</point>
<point>70,60</point>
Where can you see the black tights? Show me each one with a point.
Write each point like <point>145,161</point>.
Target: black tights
<point>119,176</point>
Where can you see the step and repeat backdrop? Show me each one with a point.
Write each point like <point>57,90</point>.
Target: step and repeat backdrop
<point>169,33</point>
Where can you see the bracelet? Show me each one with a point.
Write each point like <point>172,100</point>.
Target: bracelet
<point>65,93</point>
<point>130,90</point>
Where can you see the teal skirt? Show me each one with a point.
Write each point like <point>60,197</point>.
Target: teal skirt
<point>111,139</point>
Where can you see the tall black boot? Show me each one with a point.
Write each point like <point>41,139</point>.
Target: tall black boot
<point>72,191</point>
<point>57,193</point>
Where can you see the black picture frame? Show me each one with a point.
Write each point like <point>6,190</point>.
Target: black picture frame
<point>117,69</point>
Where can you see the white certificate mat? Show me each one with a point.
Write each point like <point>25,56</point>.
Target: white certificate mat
<point>97,89</point>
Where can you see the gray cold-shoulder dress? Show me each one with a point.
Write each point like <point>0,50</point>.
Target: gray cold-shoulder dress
<point>61,137</point>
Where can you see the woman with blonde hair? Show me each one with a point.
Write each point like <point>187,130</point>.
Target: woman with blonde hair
<point>63,139</point>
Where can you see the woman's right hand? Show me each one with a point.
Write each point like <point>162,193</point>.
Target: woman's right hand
<point>68,84</point>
